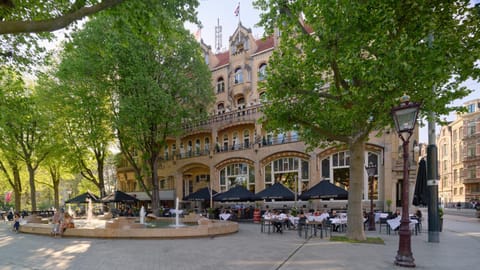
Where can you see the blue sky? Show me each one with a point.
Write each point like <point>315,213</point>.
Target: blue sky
<point>211,12</point>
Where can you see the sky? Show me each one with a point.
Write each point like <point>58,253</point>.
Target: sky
<point>213,12</point>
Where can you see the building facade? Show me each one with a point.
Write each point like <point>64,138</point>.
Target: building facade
<point>232,148</point>
<point>459,157</point>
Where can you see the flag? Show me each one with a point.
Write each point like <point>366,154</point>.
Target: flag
<point>237,10</point>
<point>8,196</point>
<point>198,34</point>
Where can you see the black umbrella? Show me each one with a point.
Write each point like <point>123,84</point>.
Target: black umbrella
<point>277,191</point>
<point>83,198</point>
<point>238,193</point>
<point>202,194</point>
<point>420,196</point>
<point>119,196</point>
<point>325,190</point>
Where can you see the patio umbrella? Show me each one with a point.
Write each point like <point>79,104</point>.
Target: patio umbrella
<point>277,191</point>
<point>238,193</point>
<point>420,196</point>
<point>325,190</point>
<point>119,196</point>
<point>82,198</point>
<point>202,194</point>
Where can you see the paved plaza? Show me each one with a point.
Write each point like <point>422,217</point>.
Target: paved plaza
<point>248,249</point>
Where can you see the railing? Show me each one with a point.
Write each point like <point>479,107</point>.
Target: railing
<point>249,113</point>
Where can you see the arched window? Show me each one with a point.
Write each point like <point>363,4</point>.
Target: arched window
<point>220,85</point>
<point>238,76</point>
<point>207,144</point>
<point>241,103</point>
<point>238,174</point>
<point>220,108</point>
<point>197,146</point>
<point>262,72</point>
<point>290,171</point>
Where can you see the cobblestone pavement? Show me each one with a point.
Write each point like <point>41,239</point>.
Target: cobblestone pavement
<point>247,249</point>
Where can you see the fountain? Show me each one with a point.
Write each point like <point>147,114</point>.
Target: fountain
<point>177,216</point>
<point>142,215</point>
<point>129,227</point>
<point>89,210</point>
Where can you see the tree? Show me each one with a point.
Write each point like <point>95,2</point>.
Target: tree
<point>342,65</point>
<point>24,127</point>
<point>159,87</point>
<point>33,17</point>
<point>11,172</point>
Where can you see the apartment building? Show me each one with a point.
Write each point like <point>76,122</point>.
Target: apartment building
<point>459,157</point>
<point>232,148</point>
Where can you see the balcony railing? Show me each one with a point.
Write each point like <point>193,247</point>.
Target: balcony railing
<point>249,113</point>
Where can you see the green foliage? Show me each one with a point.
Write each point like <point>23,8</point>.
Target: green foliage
<point>341,66</point>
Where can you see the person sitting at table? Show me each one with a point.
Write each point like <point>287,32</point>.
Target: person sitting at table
<point>418,214</point>
<point>277,222</point>
<point>394,215</point>
<point>333,214</point>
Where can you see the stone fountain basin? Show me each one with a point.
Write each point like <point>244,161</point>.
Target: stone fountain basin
<point>129,228</point>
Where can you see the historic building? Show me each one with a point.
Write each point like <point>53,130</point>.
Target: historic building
<point>459,157</point>
<point>232,148</point>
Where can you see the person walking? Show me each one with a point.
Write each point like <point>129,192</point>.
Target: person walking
<point>16,222</point>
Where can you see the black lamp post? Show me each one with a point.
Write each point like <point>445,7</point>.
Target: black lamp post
<point>405,117</point>
<point>371,170</point>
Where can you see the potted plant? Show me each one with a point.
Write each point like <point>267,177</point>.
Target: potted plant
<point>440,215</point>
<point>211,213</point>
<point>389,203</point>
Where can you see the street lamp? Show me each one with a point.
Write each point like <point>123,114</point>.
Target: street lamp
<point>371,170</point>
<point>405,118</point>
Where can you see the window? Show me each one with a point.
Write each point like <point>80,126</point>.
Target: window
<point>246,138</point>
<point>220,85</point>
<point>220,108</point>
<point>197,146</point>
<point>262,72</point>
<point>286,171</point>
<point>241,103</point>
<point>471,128</point>
<point>238,76</point>
<point>472,172</point>
<point>471,108</point>
<point>207,144</point>
<point>225,142</point>
<point>444,148</point>
<point>471,151</point>
<point>238,174</point>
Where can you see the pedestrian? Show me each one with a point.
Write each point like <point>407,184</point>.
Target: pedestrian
<point>16,222</point>
<point>56,221</point>
<point>459,205</point>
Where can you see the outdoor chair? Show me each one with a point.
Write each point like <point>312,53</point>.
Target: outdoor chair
<point>383,223</point>
<point>327,227</point>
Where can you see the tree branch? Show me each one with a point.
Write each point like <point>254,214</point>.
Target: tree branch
<point>13,27</point>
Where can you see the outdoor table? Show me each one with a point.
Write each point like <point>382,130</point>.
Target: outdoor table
<point>379,215</point>
<point>224,216</point>
<point>394,223</point>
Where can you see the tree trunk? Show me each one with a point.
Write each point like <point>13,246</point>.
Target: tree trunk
<point>355,193</point>
<point>155,195</point>
<point>101,177</point>
<point>17,187</point>
<point>33,190</point>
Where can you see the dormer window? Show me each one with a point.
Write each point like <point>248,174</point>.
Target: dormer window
<point>238,76</point>
<point>220,85</point>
